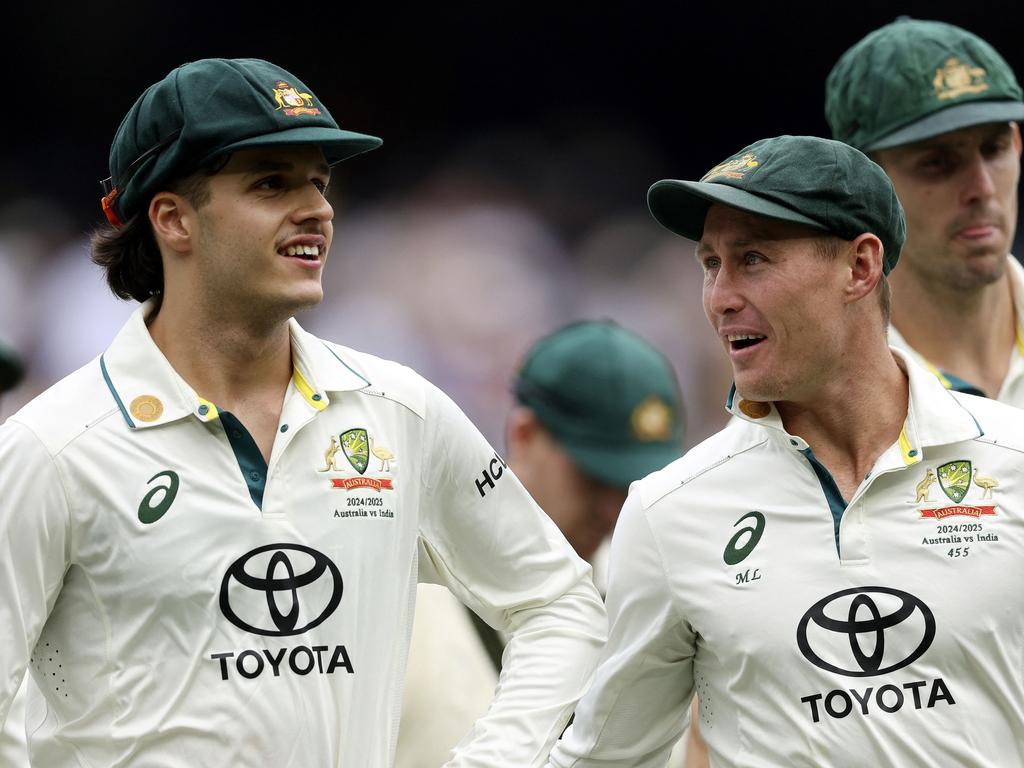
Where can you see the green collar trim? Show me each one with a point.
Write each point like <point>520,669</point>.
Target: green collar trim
<point>117,398</point>
<point>247,454</point>
<point>354,372</point>
<point>836,503</point>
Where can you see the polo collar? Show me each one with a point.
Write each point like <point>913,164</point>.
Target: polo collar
<point>149,392</point>
<point>934,415</point>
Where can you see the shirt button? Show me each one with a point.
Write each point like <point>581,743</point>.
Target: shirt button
<point>235,434</point>
<point>203,410</point>
<point>912,452</point>
<point>317,398</point>
<point>254,476</point>
<point>284,427</point>
<point>793,442</point>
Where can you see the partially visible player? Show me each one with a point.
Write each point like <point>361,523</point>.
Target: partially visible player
<point>13,749</point>
<point>936,107</point>
<point>836,573</point>
<point>213,532</point>
<point>597,407</point>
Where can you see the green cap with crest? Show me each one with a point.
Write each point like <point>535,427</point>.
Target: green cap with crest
<point>911,80</point>
<point>208,108</point>
<point>822,184</point>
<point>608,397</point>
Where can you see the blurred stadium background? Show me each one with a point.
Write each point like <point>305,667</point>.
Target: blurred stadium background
<point>508,198</point>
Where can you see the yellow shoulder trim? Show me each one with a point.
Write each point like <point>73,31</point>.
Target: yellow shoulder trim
<point>319,402</point>
<point>910,455</point>
<point>939,374</point>
<point>212,412</point>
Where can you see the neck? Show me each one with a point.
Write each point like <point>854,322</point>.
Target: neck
<point>226,358</point>
<point>854,418</point>
<point>969,333</point>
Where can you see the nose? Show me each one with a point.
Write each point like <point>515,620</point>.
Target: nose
<point>721,293</point>
<point>312,206</point>
<point>979,183</point>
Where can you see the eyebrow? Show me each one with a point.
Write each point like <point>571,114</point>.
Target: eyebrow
<point>741,242</point>
<point>266,165</point>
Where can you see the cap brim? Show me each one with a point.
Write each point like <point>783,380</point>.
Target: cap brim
<point>337,145</point>
<point>681,206</point>
<point>951,119</point>
<point>618,468</point>
<point>11,369</point>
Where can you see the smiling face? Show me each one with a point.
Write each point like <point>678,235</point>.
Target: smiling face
<point>262,239</point>
<point>959,195</point>
<point>775,302</point>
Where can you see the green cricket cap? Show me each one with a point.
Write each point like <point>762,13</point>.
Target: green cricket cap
<point>608,397</point>
<point>820,183</point>
<point>205,109</point>
<point>11,369</point>
<point>912,80</point>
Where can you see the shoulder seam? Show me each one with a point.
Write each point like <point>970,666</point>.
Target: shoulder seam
<point>384,396</point>
<point>703,470</point>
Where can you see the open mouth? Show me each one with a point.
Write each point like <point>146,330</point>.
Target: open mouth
<point>305,252</point>
<point>743,341</point>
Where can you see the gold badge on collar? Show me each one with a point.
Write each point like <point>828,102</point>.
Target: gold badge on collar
<point>755,409</point>
<point>146,408</point>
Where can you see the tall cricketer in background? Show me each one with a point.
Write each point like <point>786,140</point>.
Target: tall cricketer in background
<point>597,407</point>
<point>213,532</point>
<point>797,570</point>
<point>936,107</point>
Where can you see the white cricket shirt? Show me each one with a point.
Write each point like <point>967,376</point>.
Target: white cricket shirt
<point>888,631</point>
<point>182,604</point>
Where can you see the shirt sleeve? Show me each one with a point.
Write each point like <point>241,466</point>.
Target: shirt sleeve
<point>483,536</point>
<point>34,541</point>
<point>637,707</point>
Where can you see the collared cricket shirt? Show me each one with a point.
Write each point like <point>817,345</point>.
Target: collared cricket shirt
<point>883,630</point>
<point>181,602</point>
<point>1012,390</point>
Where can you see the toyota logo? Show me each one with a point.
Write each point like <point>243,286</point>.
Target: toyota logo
<point>261,590</point>
<point>866,631</point>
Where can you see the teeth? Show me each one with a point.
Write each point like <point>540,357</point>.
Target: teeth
<point>302,250</point>
<point>743,337</point>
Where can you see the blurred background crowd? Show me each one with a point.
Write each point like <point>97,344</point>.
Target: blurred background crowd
<point>509,195</point>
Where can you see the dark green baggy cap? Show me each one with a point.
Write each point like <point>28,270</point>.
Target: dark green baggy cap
<point>205,109</point>
<point>912,80</point>
<point>820,183</point>
<point>608,397</point>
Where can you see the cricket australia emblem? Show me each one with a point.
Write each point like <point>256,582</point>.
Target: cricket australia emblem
<point>357,446</point>
<point>293,101</point>
<point>955,479</point>
<point>955,78</point>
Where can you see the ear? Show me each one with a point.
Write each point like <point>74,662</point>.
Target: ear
<point>173,220</point>
<point>521,429</point>
<point>865,261</point>
<point>1015,133</point>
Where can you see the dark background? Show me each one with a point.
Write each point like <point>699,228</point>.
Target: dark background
<point>531,91</point>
